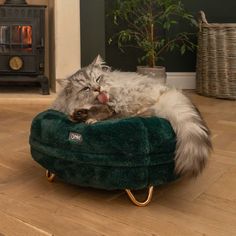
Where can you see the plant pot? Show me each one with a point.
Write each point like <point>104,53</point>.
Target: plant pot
<point>157,72</point>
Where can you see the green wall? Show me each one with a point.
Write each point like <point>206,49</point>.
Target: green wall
<point>95,28</point>
<point>92,30</point>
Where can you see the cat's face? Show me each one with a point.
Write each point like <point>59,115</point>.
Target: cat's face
<point>83,88</point>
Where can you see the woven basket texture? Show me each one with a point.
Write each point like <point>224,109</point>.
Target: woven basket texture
<point>216,59</point>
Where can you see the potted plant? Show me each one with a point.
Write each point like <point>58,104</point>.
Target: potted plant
<point>148,25</point>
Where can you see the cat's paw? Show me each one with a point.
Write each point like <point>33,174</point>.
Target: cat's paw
<point>90,121</point>
<point>80,115</point>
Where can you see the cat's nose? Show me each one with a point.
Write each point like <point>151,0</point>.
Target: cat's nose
<point>97,89</point>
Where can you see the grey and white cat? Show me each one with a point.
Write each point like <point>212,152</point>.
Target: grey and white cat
<point>131,94</point>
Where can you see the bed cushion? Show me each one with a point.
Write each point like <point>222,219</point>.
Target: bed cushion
<point>131,153</point>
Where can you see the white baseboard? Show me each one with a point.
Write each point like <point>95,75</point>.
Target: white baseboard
<point>179,80</point>
<point>182,80</point>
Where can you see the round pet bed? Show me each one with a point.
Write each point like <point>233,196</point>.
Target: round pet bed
<point>129,154</point>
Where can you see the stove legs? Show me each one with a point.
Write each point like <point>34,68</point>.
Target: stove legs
<point>44,84</point>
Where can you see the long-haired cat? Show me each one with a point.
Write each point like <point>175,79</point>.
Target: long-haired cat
<point>130,94</point>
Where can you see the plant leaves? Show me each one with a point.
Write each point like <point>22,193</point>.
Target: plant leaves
<point>183,49</point>
<point>135,17</point>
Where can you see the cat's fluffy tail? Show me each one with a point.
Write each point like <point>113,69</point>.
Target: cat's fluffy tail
<point>193,136</point>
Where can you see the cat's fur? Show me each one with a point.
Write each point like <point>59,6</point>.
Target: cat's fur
<point>131,94</point>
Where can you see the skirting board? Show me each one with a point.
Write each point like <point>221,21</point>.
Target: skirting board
<point>182,80</point>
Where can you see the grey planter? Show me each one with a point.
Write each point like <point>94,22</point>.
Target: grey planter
<point>158,72</point>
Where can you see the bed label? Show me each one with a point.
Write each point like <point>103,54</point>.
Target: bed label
<point>75,137</point>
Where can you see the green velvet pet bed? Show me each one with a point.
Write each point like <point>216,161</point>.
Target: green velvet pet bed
<point>132,153</point>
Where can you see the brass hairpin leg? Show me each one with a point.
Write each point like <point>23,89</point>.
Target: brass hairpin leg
<point>50,176</point>
<point>136,202</point>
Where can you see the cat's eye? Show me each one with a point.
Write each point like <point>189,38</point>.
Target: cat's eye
<point>106,68</point>
<point>86,89</point>
<point>99,78</point>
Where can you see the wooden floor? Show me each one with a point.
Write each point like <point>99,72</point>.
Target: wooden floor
<point>29,205</point>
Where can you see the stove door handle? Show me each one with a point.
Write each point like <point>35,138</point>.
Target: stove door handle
<point>41,46</point>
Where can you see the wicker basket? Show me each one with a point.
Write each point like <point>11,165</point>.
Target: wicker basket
<point>216,59</point>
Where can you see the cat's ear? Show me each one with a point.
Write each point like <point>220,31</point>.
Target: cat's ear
<point>62,82</point>
<point>98,61</point>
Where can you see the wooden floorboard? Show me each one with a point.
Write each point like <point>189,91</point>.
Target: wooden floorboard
<point>29,205</point>
<point>12,226</point>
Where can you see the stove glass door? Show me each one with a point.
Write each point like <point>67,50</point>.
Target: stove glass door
<point>21,38</point>
<point>16,38</point>
<point>4,38</point>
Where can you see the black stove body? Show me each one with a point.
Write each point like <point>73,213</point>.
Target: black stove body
<point>22,43</point>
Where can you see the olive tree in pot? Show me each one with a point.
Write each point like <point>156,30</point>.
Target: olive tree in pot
<point>148,25</point>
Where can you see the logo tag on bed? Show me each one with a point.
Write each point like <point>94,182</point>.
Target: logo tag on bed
<point>75,137</point>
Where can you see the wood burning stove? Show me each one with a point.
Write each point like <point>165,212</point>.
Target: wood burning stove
<point>22,43</point>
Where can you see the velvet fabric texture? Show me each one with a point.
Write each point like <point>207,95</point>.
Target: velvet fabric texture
<point>132,153</point>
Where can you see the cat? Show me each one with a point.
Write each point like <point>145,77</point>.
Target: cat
<point>129,94</point>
